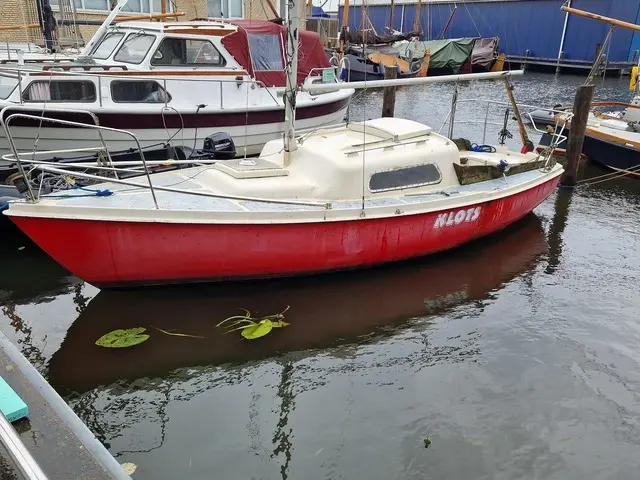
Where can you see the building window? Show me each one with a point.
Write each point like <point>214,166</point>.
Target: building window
<point>60,91</point>
<point>108,44</point>
<point>409,177</point>
<point>181,51</point>
<point>134,6</point>
<point>266,52</point>
<point>225,8</point>
<point>135,48</point>
<point>138,91</point>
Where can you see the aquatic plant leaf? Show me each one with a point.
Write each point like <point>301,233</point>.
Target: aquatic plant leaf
<point>123,338</point>
<point>247,316</point>
<point>259,330</point>
<point>176,334</point>
<point>129,468</point>
<point>279,323</point>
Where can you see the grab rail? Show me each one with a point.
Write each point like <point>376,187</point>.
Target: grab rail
<point>557,135</point>
<point>23,73</point>
<point>6,123</point>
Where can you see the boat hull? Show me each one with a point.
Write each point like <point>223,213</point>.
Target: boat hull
<point>120,253</point>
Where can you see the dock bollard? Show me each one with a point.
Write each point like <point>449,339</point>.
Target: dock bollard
<point>577,129</point>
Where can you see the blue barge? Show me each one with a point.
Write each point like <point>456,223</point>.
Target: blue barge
<point>532,32</point>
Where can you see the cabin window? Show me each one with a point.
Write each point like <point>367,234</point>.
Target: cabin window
<point>225,8</point>
<point>409,177</point>
<point>108,44</point>
<point>135,48</point>
<point>266,52</point>
<point>60,91</point>
<point>138,91</point>
<point>8,84</point>
<point>182,51</point>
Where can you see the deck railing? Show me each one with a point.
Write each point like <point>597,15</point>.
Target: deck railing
<point>23,72</point>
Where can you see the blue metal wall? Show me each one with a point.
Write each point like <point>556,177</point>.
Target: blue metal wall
<point>534,25</point>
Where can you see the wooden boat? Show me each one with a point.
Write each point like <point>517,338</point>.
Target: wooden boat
<point>612,136</point>
<point>344,197</point>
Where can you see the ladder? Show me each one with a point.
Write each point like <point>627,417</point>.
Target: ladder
<point>68,33</point>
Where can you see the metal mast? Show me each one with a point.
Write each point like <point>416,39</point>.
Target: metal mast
<point>291,70</point>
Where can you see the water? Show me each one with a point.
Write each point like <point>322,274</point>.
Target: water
<point>517,355</point>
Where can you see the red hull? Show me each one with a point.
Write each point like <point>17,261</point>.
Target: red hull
<point>120,253</point>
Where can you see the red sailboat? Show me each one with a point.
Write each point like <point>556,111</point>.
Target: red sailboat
<point>336,198</point>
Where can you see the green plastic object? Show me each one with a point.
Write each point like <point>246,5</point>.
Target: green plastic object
<point>11,405</point>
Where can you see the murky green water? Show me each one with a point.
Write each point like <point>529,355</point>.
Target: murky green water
<point>517,355</point>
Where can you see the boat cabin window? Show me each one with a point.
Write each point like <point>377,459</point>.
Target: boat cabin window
<point>266,52</point>
<point>135,48</point>
<point>183,51</point>
<point>8,84</point>
<point>138,91</point>
<point>108,44</point>
<point>409,177</point>
<point>60,91</point>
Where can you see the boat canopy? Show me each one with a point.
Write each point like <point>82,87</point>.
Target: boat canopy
<point>259,46</point>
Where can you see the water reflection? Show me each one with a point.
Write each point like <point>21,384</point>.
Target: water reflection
<point>324,311</point>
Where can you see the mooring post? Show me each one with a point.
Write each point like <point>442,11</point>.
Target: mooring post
<point>577,128</point>
<point>389,95</point>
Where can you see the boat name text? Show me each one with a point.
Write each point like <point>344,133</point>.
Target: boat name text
<point>456,218</point>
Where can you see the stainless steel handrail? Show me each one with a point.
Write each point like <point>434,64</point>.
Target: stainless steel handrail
<point>6,123</point>
<point>18,452</point>
<point>25,73</point>
<point>558,135</point>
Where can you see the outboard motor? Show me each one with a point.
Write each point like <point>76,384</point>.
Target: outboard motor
<point>220,145</point>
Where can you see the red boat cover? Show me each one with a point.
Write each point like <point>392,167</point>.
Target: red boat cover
<point>259,45</point>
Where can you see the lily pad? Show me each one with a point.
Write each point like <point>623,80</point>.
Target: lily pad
<point>129,468</point>
<point>258,330</point>
<point>123,338</point>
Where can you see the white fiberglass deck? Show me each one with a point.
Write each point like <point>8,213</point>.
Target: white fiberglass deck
<point>128,200</point>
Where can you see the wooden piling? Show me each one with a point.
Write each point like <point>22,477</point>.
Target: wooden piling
<point>389,95</point>
<point>577,128</point>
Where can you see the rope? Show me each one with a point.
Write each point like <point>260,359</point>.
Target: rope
<point>483,148</point>
<point>94,193</point>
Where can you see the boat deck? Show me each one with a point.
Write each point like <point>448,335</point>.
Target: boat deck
<point>129,197</point>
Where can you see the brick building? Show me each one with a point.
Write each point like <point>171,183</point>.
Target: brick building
<point>23,12</point>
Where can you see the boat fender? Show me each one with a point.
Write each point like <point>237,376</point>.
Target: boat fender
<point>502,166</point>
<point>4,206</point>
<point>526,148</point>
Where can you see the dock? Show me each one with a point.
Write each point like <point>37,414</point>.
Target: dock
<point>52,436</point>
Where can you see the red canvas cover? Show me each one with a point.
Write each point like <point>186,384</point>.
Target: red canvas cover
<point>258,46</point>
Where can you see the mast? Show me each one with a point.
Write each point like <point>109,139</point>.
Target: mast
<point>291,70</point>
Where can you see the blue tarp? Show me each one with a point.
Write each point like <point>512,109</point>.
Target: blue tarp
<point>318,12</point>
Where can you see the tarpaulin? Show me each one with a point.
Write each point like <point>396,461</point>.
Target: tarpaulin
<point>484,53</point>
<point>259,46</point>
<point>447,56</point>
